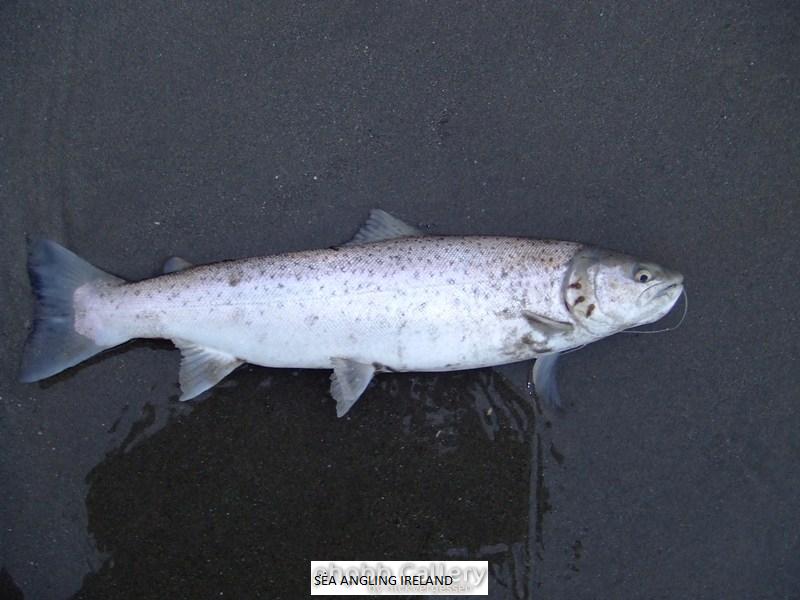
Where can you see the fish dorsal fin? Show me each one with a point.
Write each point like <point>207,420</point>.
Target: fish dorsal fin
<point>546,325</point>
<point>382,226</point>
<point>175,263</point>
<point>202,368</point>
<point>544,380</point>
<point>348,382</point>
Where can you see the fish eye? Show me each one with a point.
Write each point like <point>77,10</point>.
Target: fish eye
<point>643,276</point>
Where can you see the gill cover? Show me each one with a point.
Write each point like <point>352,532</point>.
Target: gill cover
<point>578,288</point>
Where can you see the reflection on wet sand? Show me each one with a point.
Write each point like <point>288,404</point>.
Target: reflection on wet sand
<point>236,496</point>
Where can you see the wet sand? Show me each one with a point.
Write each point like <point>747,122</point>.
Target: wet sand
<point>133,133</point>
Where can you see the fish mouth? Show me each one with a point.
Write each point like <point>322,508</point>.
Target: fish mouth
<point>665,289</point>
<point>661,289</point>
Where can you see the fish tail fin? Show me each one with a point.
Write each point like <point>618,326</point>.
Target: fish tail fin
<point>53,344</point>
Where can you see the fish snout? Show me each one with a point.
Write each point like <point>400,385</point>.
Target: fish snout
<point>669,287</point>
<point>670,290</point>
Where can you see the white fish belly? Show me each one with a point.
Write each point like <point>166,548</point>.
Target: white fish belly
<point>419,304</point>
<point>439,328</point>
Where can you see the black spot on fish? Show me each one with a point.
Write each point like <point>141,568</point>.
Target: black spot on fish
<point>589,310</point>
<point>524,346</point>
<point>578,300</point>
<point>575,285</point>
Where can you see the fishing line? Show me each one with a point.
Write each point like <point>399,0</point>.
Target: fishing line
<point>573,349</point>
<point>683,316</point>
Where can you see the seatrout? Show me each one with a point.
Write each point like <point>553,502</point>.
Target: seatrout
<point>392,299</point>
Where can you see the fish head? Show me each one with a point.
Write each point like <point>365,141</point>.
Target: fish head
<point>607,292</point>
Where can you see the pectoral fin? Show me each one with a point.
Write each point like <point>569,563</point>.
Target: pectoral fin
<point>382,226</point>
<point>537,380</point>
<point>202,369</point>
<point>546,325</point>
<point>544,380</point>
<point>348,382</point>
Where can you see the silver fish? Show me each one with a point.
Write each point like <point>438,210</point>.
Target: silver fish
<point>392,299</point>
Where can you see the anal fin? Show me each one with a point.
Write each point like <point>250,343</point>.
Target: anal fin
<point>348,382</point>
<point>202,368</point>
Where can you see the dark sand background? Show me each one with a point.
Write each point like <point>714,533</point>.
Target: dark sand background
<point>133,131</point>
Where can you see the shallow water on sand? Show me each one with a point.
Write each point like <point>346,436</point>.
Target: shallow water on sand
<point>235,496</point>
